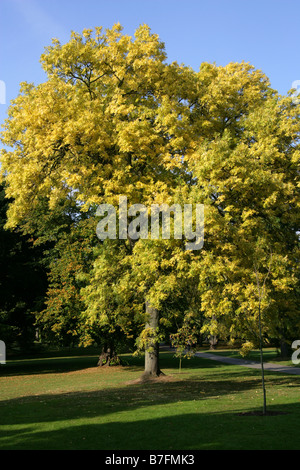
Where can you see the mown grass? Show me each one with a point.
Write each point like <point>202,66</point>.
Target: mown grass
<point>68,403</point>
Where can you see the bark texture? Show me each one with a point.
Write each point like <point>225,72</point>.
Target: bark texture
<point>108,357</point>
<point>152,352</point>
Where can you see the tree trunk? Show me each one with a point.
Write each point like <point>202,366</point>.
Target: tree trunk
<point>152,352</point>
<point>213,341</point>
<point>261,361</point>
<point>107,356</point>
<point>104,358</point>
<point>285,349</point>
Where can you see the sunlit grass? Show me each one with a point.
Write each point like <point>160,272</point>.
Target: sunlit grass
<point>68,403</point>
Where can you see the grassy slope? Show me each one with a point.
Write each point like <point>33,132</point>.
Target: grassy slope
<point>67,403</point>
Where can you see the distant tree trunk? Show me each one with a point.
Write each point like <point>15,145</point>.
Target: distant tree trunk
<point>213,341</point>
<point>107,356</point>
<point>152,354</point>
<point>285,349</point>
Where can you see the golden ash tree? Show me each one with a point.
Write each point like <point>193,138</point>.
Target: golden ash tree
<point>109,120</point>
<point>114,118</point>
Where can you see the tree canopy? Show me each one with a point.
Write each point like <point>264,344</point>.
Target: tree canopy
<point>113,119</point>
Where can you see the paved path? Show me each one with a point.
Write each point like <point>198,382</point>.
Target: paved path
<point>252,364</point>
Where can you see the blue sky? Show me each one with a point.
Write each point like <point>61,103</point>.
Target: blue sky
<point>265,33</point>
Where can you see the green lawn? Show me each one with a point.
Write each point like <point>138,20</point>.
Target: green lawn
<point>68,403</point>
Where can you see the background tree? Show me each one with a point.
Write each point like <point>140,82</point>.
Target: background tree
<point>23,284</point>
<point>61,321</point>
<point>246,168</point>
<point>184,342</point>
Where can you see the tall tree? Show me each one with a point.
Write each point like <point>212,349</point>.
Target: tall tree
<point>113,118</point>
<point>109,121</point>
<point>246,167</point>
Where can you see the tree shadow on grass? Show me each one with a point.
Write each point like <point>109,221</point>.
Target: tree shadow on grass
<point>54,365</point>
<point>150,415</point>
<point>64,364</point>
<point>55,407</point>
<point>189,431</point>
<point>51,365</point>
